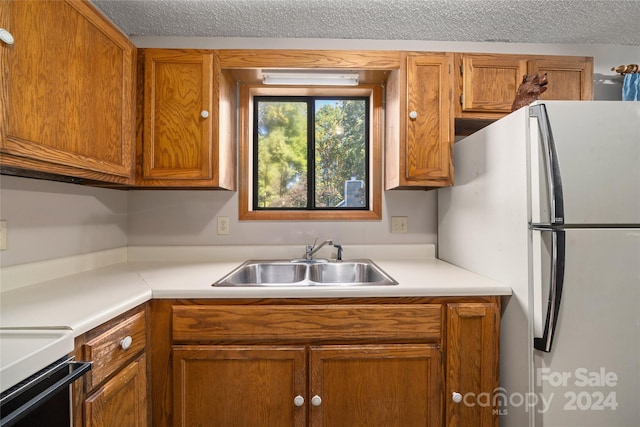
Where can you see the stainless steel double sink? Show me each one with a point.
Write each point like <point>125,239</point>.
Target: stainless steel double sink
<point>361,272</point>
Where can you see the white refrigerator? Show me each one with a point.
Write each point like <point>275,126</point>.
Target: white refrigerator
<point>547,200</point>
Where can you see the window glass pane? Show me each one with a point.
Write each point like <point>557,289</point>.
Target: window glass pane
<point>281,154</point>
<point>340,153</point>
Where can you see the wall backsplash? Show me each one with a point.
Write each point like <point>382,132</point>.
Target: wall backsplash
<point>189,218</point>
<point>52,219</point>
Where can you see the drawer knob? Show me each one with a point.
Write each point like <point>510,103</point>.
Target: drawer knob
<point>298,400</point>
<point>413,115</point>
<point>316,400</point>
<point>204,114</point>
<point>6,36</point>
<point>126,342</point>
<point>457,397</point>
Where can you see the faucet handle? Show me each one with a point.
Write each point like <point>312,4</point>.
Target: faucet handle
<point>339,248</point>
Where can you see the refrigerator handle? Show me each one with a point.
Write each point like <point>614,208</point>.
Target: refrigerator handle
<point>555,290</point>
<point>554,182</point>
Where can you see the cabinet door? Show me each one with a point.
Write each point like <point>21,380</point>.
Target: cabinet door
<point>121,401</point>
<point>570,78</point>
<point>375,386</point>
<point>66,98</point>
<point>472,364</point>
<point>179,115</point>
<point>490,82</point>
<point>429,132</point>
<point>239,386</point>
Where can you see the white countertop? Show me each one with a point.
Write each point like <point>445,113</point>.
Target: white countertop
<point>30,350</point>
<point>86,299</point>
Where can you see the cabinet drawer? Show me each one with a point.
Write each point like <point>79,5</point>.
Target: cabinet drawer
<point>348,322</point>
<point>107,351</point>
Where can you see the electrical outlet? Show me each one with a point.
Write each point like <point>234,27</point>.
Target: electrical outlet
<point>3,235</point>
<point>399,224</point>
<point>223,225</point>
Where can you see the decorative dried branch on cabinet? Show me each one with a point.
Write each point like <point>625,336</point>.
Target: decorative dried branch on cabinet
<point>626,69</point>
<point>532,86</point>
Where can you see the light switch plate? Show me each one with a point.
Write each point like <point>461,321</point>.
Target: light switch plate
<point>399,224</point>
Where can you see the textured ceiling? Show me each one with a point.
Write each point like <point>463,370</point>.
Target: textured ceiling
<point>542,21</point>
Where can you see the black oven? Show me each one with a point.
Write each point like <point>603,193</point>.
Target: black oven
<point>43,399</point>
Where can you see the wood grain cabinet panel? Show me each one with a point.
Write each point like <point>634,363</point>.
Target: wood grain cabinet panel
<point>490,82</point>
<point>419,129</point>
<point>375,386</point>
<point>122,400</point>
<point>188,110</point>
<point>111,350</point>
<point>67,92</point>
<point>472,364</point>
<point>240,386</point>
<point>570,78</point>
<point>318,363</point>
<point>114,392</point>
<point>487,83</point>
<point>346,322</point>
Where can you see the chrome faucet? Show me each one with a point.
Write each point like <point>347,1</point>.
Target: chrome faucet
<point>312,249</point>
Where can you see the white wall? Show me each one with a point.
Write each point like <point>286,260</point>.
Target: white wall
<point>51,219</point>
<point>189,218</point>
<point>48,219</point>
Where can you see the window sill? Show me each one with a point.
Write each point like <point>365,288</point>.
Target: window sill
<point>309,216</point>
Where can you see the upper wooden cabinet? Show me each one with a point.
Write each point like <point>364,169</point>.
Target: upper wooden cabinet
<point>188,109</point>
<point>419,122</point>
<point>66,93</point>
<point>487,83</point>
<point>570,77</point>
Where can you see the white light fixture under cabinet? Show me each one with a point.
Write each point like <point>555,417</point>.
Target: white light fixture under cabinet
<point>312,78</point>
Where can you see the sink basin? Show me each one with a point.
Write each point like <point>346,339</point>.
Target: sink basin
<point>273,273</point>
<point>303,273</point>
<point>349,273</point>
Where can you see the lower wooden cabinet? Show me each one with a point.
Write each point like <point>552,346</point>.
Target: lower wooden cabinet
<point>121,400</point>
<point>239,385</point>
<point>472,364</point>
<point>114,392</point>
<point>331,363</point>
<point>369,385</point>
<point>375,385</point>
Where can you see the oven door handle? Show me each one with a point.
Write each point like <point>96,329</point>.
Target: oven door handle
<point>77,369</point>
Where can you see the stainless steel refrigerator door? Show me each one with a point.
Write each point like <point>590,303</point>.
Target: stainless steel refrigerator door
<point>598,156</point>
<point>591,377</point>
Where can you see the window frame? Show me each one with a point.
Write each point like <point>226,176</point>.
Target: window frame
<point>245,139</point>
<point>311,159</point>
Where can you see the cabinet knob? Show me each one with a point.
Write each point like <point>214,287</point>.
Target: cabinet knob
<point>6,36</point>
<point>413,115</point>
<point>298,400</point>
<point>316,400</point>
<point>204,114</point>
<point>457,397</point>
<point>126,342</point>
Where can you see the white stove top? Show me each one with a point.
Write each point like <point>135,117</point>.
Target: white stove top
<point>25,351</point>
